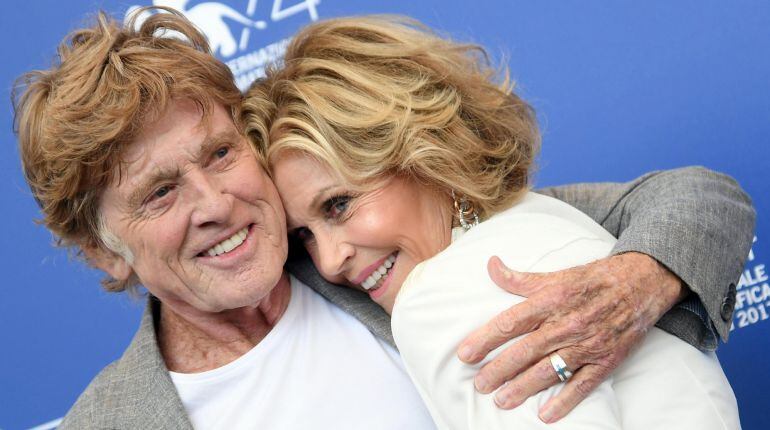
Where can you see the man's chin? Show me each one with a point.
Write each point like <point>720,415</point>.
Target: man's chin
<point>258,297</point>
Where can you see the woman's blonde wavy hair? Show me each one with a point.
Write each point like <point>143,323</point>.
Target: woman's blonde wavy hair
<point>378,96</point>
<point>74,119</point>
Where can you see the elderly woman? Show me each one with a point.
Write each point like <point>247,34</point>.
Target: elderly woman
<point>403,168</point>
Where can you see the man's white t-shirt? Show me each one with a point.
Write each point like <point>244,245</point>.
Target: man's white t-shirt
<point>318,368</point>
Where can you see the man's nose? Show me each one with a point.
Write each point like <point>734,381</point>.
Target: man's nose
<point>212,204</point>
<point>334,254</point>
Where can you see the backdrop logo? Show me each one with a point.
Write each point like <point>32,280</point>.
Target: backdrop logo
<point>752,302</point>
<point>232,29</point>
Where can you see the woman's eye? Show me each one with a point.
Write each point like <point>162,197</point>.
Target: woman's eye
<point>337,206</point>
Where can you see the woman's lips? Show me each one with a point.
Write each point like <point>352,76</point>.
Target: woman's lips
<point>369,270</point>
<point>385,282</point>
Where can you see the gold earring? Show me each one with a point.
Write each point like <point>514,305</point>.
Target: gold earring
<point>466,212</point>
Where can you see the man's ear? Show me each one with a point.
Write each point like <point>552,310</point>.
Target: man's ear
<point>110,262</point>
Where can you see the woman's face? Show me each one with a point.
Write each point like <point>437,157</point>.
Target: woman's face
<point>366,240</point>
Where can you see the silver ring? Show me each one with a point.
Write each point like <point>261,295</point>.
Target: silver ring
<point>560,367</point>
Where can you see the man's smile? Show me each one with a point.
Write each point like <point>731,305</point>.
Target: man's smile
<point>222,246</point>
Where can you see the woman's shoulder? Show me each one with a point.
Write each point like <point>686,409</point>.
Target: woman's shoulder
<point>535,224</point>
<point>545,213</point>
<point>522,235</point>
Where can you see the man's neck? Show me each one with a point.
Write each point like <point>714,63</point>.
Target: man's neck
<point>196,342</point>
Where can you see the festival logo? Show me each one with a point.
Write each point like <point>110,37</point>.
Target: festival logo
<point>233,30</point>
<point>752,301</point>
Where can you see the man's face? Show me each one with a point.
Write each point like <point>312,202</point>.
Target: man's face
<point>201,218</point>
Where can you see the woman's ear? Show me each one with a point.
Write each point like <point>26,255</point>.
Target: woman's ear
<point>108,261</point>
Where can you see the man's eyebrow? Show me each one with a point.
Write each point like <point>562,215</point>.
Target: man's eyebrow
<point>157,176</point>
<point>228,137</point>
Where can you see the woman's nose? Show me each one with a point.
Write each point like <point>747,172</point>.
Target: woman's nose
<point>334,254</point>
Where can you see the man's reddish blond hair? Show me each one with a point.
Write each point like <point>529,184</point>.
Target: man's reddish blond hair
<point>109,80</point>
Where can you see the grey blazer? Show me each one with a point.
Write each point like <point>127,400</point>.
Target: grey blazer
<point>696,222</point>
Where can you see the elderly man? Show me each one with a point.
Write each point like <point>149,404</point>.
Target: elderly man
<point>133,147</point>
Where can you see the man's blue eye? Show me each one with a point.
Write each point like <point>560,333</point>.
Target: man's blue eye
<point>162,191</point>
<point>222,152</point>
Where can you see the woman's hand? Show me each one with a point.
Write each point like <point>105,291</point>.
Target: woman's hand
<point>591,315</point>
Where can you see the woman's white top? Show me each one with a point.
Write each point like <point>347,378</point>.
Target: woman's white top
<point>664,384</point>
<point>318,368</point>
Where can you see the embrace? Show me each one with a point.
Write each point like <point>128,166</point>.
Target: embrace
<point>378,171</point>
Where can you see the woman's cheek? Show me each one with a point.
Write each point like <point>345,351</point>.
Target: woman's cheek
<point>378,225</point>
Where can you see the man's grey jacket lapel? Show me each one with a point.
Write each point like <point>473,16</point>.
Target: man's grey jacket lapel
<point>135,392</point>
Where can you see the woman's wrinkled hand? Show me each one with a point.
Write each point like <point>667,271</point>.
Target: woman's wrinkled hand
<point>591,315</point>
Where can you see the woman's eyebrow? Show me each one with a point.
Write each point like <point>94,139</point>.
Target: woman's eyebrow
<point>321,196</point>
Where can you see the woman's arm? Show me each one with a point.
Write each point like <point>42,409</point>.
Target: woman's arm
<point>682,233</point>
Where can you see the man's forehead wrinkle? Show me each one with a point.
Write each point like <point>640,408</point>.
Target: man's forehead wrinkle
<point>129,162</point>
<point>124,161</point>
